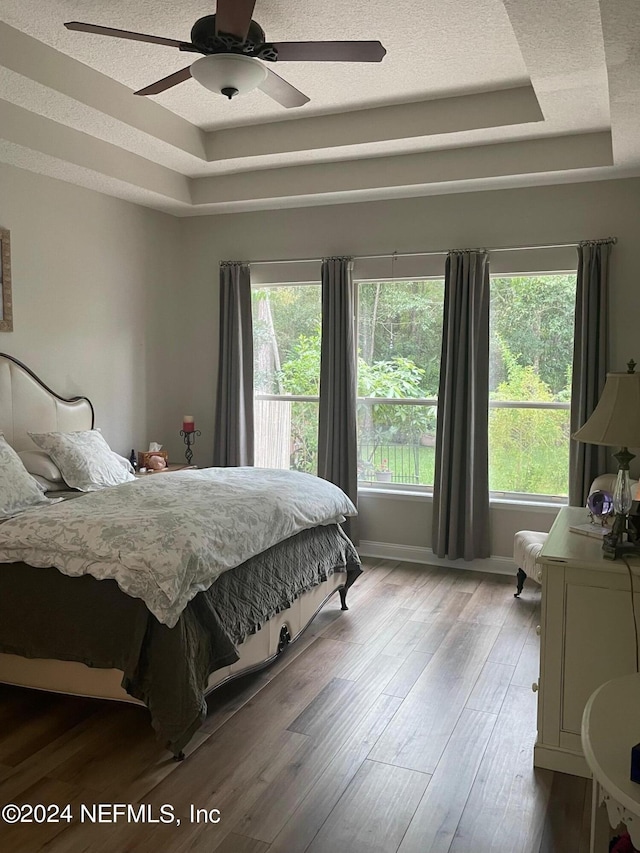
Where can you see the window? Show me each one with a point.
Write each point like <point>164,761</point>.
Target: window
<point>531,351</point>
<point>286,341</point>
<point>399,340</point>
<point>399,330</point>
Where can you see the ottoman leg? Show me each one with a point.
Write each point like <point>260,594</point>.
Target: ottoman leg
<point>521,578</point>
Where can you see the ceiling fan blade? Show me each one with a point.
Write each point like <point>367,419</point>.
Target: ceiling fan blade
<point>281,91</point>
<point>329,51</point>
<point>234,17</point>
<point>166,82</point>
<point>122,34</point>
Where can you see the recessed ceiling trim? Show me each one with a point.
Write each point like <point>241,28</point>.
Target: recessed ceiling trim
<point>43,64</point>
<point>42,164</point>
<point>483,161</point>
<point>621,30</point>
<point>29,130</point>
<point>399,121</point>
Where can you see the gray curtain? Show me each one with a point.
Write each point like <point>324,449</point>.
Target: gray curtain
<point>590,343</point>
<point>337,430</point>
<point>233,438</point>
<point>461,482</point>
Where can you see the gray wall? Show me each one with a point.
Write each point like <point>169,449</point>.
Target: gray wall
<point>93,284</point>
<point>120,302</point>
<point>518,217</point>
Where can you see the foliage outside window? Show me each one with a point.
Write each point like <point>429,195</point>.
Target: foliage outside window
<point>286,336</point>
<point>399,344</point>
<point>531,351</point>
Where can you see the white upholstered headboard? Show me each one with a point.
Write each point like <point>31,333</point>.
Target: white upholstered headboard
<point>28,405</point>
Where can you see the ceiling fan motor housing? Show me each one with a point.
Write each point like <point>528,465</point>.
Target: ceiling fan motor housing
<point>204,37</point>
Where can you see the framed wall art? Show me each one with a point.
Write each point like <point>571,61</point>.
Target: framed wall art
<point>6,302</point>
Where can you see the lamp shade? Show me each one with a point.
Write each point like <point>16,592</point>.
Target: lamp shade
<point>616,419</point>
<point>232,72</point>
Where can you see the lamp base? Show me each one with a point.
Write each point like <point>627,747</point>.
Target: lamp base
<point>622,540</point>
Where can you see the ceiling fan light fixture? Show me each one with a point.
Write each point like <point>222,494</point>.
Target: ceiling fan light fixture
<point>228,71</point>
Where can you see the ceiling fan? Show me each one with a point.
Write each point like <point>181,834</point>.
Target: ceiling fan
<point>232,45</point>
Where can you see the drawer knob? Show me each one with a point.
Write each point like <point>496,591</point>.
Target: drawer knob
<point>538,630</point>
<point>540,575</point>
<point>534,686</point>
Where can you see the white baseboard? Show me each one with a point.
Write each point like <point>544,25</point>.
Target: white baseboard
<point>415,554</point>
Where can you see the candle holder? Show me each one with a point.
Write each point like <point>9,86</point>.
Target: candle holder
<point>189,437</point>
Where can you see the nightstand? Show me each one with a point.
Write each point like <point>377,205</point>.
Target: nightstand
<point>172,466</point>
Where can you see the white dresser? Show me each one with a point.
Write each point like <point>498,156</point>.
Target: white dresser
<point>586,636</point>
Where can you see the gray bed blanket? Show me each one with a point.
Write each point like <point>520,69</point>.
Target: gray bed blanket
<point>45,614</point>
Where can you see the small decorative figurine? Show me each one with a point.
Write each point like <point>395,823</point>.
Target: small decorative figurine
<point>156,463</point>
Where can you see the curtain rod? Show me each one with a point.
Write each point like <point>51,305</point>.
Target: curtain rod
<point>392,255</point>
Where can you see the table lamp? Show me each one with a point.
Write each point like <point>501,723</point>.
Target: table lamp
<point>616,422</point>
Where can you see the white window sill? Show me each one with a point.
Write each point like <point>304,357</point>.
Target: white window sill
<point>402,494</point>
<point>427,497</point>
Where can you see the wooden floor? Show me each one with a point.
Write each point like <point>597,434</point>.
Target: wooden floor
<point>405,724</point>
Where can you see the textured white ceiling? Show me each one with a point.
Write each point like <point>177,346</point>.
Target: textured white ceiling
<point>432,49</point>
<point>471,73</point>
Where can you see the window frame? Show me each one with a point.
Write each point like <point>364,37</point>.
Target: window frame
<point>291,398</point>
<point>420,490</point>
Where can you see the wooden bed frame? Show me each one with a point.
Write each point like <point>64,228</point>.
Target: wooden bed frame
<point>26,403</point>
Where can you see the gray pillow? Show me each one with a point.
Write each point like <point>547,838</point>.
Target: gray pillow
<point>18,490</point>
<point>84,458</point>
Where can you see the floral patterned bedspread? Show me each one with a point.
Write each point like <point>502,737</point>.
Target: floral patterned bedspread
<point>165,537</point>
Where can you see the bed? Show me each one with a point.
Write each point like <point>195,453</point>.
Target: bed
<point>66,628</point>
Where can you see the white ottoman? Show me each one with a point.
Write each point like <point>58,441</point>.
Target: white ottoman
<point>527,544</point>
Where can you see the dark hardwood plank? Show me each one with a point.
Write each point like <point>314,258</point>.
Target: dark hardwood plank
<point>372,610</point>
<point>404,679</point>
<point>302,824</point>
<point>234,843</point>
<point>399,635</point>
<point>433,596</point>
<point>320,715</point>
<point>350,738</point>
<point>83,739</point>
<point>489,604</point>
<point>342,703</point>
<point>440,621</point>
<point>528,667</point>
<point>414,575</point>
<point>508,800</point>
<point>565,812</point>
<point>491,687</point>
<point>418,734</point>
<point>372,733</point>
<point>33,727</point>
<point>28,837</point>
<point>508,644</point>
<point>434,824</point>
<point>374,812</point>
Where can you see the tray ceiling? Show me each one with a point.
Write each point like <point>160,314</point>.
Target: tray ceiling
<point>471,95</point>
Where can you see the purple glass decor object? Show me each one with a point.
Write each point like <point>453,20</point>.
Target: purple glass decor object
<point>600,504</point>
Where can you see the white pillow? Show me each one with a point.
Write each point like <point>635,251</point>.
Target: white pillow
<point>128,466</point>
<point>18,490</point>
<point>50,485</point>
<point>84,458</point>
<point>39,463</point>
